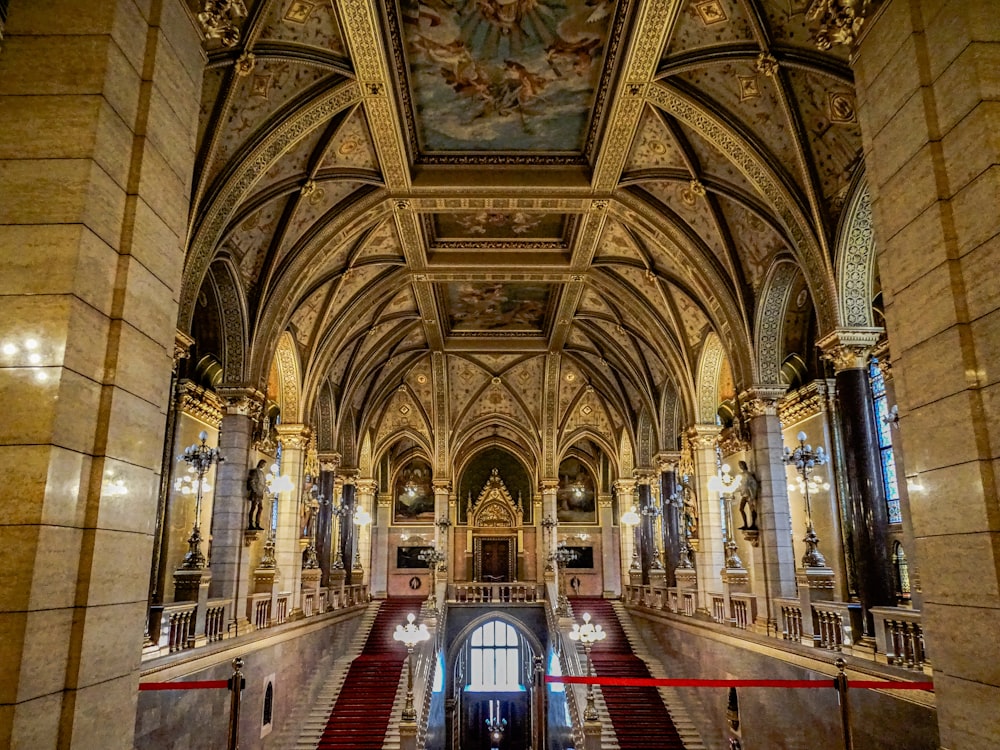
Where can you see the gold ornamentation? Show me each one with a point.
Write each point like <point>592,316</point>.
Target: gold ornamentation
<point>245,64</point>
<point>749,87</point>
<point>841,107</point>
<point>767,64</point>
<point>840,21</point>
<point>199,403</point>
<point>849,348</point>
<point>804,403</point>
<point>711,12</point>
<point>241,400</point>
<point>218,20</point>
<point>293,436</point>
<point>299,11</point>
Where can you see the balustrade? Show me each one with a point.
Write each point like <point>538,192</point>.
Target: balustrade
<point>215,619</point>
<point>791,619</point>
<point>744,610</point>
<point>178,623</point>
<point>495,592</point>
<point>900,637</point>
<point>719,613</point>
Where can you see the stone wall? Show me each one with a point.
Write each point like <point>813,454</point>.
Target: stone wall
<point>299,656</point>
<point>773,718</point>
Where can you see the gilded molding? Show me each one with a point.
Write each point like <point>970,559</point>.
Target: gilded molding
<point>849,348</point>
<point>840,21</point>
<point>626,487</point>
<point>182,346</point>
<point>241,400</point>
<point>806,402</point>
<point>294,436</point>
<point>199,403</point>
<point>219,19</point>
<point>761,401</point>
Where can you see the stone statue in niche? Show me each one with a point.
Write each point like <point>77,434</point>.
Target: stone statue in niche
<point>749,493</point>
<point>256,487</point>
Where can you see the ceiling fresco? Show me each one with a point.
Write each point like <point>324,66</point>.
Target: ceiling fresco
<point>494,308</point>
<point>505,76</point>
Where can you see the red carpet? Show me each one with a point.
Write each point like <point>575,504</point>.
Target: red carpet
<point>361,714</point>
<point>637,713</point>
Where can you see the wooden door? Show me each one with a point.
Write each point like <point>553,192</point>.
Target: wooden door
<point>494,560</point>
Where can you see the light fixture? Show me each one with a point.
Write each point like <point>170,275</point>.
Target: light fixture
<point>410,635</point>
<point>804,459</point>
<point>495,725</point>
<point>588,635</point>
<point>725,484</point>
<point>200,459</point>
<point>631,518</point>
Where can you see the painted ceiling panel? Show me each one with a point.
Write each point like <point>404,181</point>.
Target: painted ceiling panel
<point>304,318</point>
<point>757,241</point>
<point>313,206</point>
<point>654,146</point>
<point>465,380</point>
<point>511,76</point>
<point>709,23</point>
<point>308,22</point>
<point>695,211</point>
<point>351,147</point>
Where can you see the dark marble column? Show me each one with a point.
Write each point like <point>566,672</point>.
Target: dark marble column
<point>347,532</point>
<point>848,351</point>
<point>325,519</point>
<point>646,526</point>
<point>671,520</point>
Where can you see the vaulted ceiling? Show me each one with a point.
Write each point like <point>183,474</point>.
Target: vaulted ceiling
<point>498,180</point>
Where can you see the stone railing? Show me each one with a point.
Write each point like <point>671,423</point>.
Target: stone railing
<point>744,610</point>
<point>790,622</point>
<point>719,613</point>
<point>836,624</point>
<point>495,593</point>
<point>183,625</point>
<point>899,637</point>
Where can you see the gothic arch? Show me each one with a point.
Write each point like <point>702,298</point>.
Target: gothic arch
<point>458,640</point>
<point>234,319</point>
<point>856,260</point>
<point>286,359</point>
<point>709,370</point>
<point>768,326</point>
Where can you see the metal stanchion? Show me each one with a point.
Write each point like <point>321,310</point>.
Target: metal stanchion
<point>236,684</point>
<point>840,682</point>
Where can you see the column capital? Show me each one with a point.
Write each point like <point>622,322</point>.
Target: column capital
<point>200,403</point>
<point>549,485</point>
<point>667,460</point>
<point>242,400</point>
<point>366,486</point>
<point>626,486</point>
<point>701,436</point>
<point>329,461</point>
<point>761,400</point>
<point>182,346</point>
<point>294,436</point>
<point>441,485</point>
<point>849,348</point>
<point>644,476</point>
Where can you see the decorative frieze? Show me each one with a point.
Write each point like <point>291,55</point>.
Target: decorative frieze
<point>806,402</point>
<point>199,403</point>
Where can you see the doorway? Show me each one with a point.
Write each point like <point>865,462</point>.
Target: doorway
<point>494,559</point>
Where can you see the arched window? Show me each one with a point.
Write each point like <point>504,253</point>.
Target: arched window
<point>887,459</point>
<point>267,715</point>
<point>494,659</point>
<point>902,570</point>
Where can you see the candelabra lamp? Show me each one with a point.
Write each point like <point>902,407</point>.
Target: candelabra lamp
<point>724,483</point>
<point>588,634</point>
<point>548,529</point>
<point>340,510</point>
<point>361,519</point>
<point>652,512</point>
<point>495,725</point>
<point>310,560</point>
<point>410,635</point>
<point>200,460</point>
<point>562,556</point>
<point>435,561</point>
<point>805,459</point>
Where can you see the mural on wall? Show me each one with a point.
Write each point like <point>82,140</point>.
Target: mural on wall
<point>477,473</point>
<point>413,496</point>
<point>504,75</point>
<point>496,307</point>
<point>575,499</point>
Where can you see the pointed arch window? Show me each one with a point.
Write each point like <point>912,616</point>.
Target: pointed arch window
<point>901,567</point>
<point>887,458</point>
<point>494,658</point>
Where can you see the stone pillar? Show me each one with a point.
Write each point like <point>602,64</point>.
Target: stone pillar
<point>439,575</point>
<point>363,554</point>
<point>98,121</point>
<point>631,562</point>
<point>230,558</point>
<point>549,488</point>
<point>648,546</point>
<point>326,527</point>
<point>294,439</point>
<point>378,530</point>
<point>348,530</point>
<point>671,519</point>
<point>772,558</point>
<point>610,548</point>
<point>925,76</point>
<point>710,557</point>
<point>849,350</point>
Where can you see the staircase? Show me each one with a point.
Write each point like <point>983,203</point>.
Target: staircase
<point>640,720</point>
<point>361,714</point>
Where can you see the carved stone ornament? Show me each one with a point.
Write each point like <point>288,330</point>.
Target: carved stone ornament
<point>495,507</point>
<point>761,401</point>
<point>849,348</point>
<point>182,346</point>
<point>840,21</point>
<point>806,402</point>
<point>241,400</point>
<point>219,19</point>
<point>199,403</point>
<point>293,436</point>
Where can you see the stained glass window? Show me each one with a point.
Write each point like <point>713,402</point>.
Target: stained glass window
<point>494,658</point>
<point>887,459</point>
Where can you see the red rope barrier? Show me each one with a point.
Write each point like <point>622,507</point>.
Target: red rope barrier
<point>653,682</point>
<point>200,685</point>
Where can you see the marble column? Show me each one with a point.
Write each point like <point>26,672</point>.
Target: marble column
<point>348,529</point>
<point>294,439</point>
<point>611,575</point>
<point>671,538</point>
<point>710,558</point>
<point>364,553</point>
<point>849,350</point>
<point>772,559</point>
<point>230,557</point>
<point>378,534</point>
<point>549,489</point>
<point>326,527</point>
<point>440,572</point>
<point>98,124</point>
<point>647,524</point>
<point>631,563</point>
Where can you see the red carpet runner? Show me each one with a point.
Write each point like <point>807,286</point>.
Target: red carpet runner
<point>637,713</point>
<point>361,714</point>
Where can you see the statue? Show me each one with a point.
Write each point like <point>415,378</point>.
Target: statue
<point>749,492</point>
<point>256,487</point>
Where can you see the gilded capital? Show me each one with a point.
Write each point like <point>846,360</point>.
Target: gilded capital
<point>549,485</point>
<point>761,401</point>
<point>366,486</point>
<point>293,436</point>
<point>329,461</point>
<point>667,460</point>
<point>242,400</point>
<point>182,346</point>
<point>702,436</point>
<point>625,486</point>
<point>849,348</point>
<point>441,486</point>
